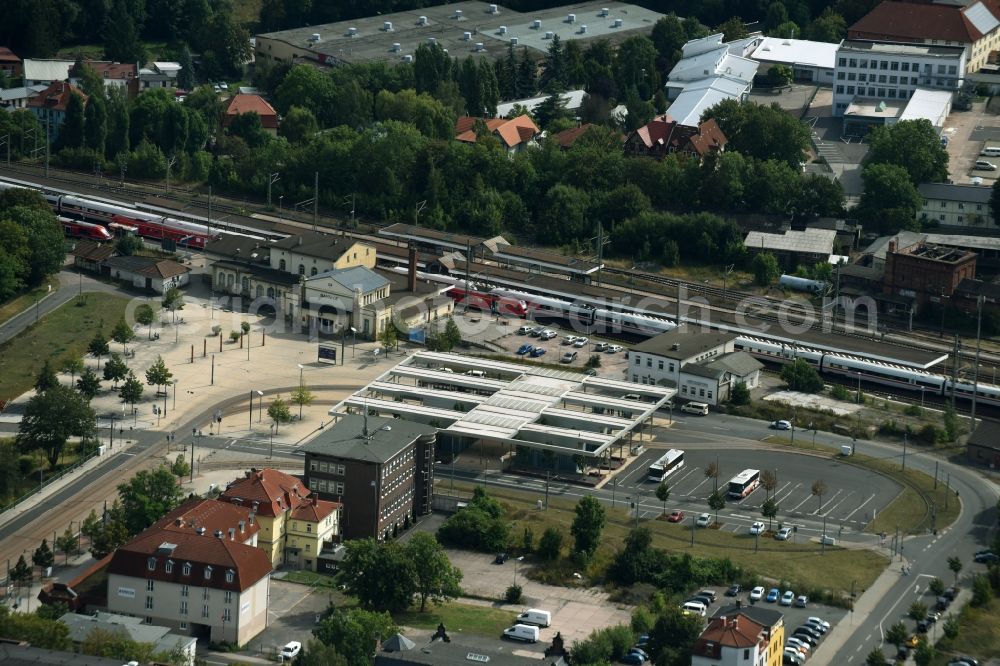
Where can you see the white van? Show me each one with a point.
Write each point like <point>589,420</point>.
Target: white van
<point>985,166</point>
<point>694,608</point>
<point>521,632</point>
<point>475,373</point>
<point>990,151</point>
<point>699,408</point>
<point>535,616</point>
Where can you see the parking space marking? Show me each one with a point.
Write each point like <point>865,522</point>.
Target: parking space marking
<point>860,506</point>
<point>796,507</point>
<point>834,507</point>
<point>789,493</point>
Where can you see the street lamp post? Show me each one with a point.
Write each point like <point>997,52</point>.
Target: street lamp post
<point>175,395</point>
<point>194,440</point>
<point>260,406</point>
<point>270,453</point>
<point>301,368</point>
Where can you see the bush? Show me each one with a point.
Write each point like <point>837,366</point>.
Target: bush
<point>513,594</point>
<point>931,434</point>
<point>593,362</point>
<point>981,591</point>
<point>913,410</point>
<point>479,526</point>
<point>840,393</point>
<point>234,336</point>
<point>550,545</point>
<point>937,587</point>
<point>147,161</point>
<point>739,395</point>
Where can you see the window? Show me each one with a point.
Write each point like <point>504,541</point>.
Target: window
<point>635,378</point>
<point>892,92</point>
<point>313,271</point>
<point>893,79</point>
<point>186,569</point>
<point>184,590</point>
<point>149,603</point>
<point>637,360</point>
<point>853,62</point>
<point>308,547</point>
<point>151,564</point>
<point>883,64</point>
<point>313,465</point>
<point>660,365</point>
<point>649,362</point>
<point>230,575</point>
<point>862,77</point>
<point>208,572</point>
<point>746,653</point>
<point>906,66</point>
<point>337,488</point>
<point>961,218</point>
<point>952,70</point>
<point>281,265</point>
<point>184,625</point>
<point>862,64</point>
<point>204,610</point>
<point>309,527</point>
<point>941,69</point>
<point>229,597</point>
<point>840,76</point>
<point>881,92</point>
<point>671,367</point>
<point>881,78</point>
<point>852,76</point>
<point>850,90</point>
<point>149,586</point>
<point>323,467</point>
<point>302,269</point>
<point>961,206</point>
<point>313,484</point>
<point>204,594</point>
<point>894,66</point>
<point>184,607</point>
<point>169,568</point>
<point>841,62</point>
<point>227,615</point>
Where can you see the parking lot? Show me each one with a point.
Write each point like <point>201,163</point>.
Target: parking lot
<point>612,363</point>
<point>853,495</point>
<point>967,133</point>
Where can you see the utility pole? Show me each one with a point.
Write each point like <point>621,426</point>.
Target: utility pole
<point>822,539</point>
<point>122,165</point>
<point>904,451</point>
<point>725,279</point>
<point>48,138</point>
<point>171,161</point>
<point>975,366</point>
<point>468,262</point>
<point>315,199</point>
<point>954,370</point>
<point>420,205</point>
<point>272,178</point>
<point>601,241</point>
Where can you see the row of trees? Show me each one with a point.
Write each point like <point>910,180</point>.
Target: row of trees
<point>31,241</point>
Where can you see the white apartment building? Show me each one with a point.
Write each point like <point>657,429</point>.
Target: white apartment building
<point>956,205</point>
<point>892,72</point>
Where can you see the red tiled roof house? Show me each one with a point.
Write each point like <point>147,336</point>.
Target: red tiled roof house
<point>241,104</point>
<point>514,134</point>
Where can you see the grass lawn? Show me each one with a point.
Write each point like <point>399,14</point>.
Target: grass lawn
<point>20,303</point>
<point>459,618</point>
<point>311,578</point>
<point>796,563</point>
<point>57,336</point>
<point>978,634</point>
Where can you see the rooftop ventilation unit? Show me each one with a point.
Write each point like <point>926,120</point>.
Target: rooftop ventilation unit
<point>571,18</point>
<point>503,30</point>
<point>458,14</point>
<point>513,41</point>
<point>617,23</point>
<point>387,26</point>
<point>536,24</point>
<point>583,30</point>
<point>466,36</point>
<point>605,12</point>
<point>421,20</point>
<point>480,47</point>
<point>494,9</point>
<point>396,47</point>
<point>407,58</point>
<point>351,32</point>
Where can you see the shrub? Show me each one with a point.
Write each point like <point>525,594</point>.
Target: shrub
<point>513,594</point>
<point>931,434</point>
<point>937,587</point>
<point>234,336</point>
<point>913,410</point>
<point>981,591</point>
<point>840,393</point>
<point>550,545</point>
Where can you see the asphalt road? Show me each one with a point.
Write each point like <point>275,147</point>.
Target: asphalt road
<point>70,284</point>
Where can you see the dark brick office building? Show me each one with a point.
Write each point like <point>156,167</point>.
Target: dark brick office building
<point>381,469</point>
<point>926,273</point>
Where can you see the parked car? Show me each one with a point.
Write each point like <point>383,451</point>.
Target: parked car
<point>903,653</point>
<point>501,558</point>
<point>734,590</point>
<point>986,558</point>
<point>639,651</point>
<point>792,658</point>
<point>632,658</point>
<point>932,617</point>
<point>568,357</point>
<point>757,528</point>
<point>675,517</point>
<point>756,593</point>
<point>983,165</point>
<point>950,593</point>
<point>923,627</point>
<point>781,425</point>
<point>600,346</point>
<point>711,594</point>
<point>820,621</point>
<point>801,646</point>
<point>942,603</point>
<point>805,637</point>
<point>536,331</point>
<point>291,650</point>
<point>521,632</point>
<point>548,334</point>
<point>816,624</point>
<point>787,598</point>
<point>523,330</point>
<point>537,351</point>
<point>809,631</point>
<point>580,342</point>
<point>801,601</point>
<point>773,594</point>
<point>568,339</point>
<point>525,349</point>
<point>704,520</point>
<point>783,534</point>
<point>614,349</point>
<point>699,599</point>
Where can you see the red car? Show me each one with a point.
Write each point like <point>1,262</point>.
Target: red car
<point>675,516</point>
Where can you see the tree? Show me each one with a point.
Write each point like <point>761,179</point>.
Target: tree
<point>389,336</point>
<point>913,145</point>
<point>769,509</point>
<point>158,374</point>
<point>716,502</point>
<point>115,643</point>
<point>768,481</point>
<point>765,269</point>
<point>248,127</point>
<point>110,534</point>
<point>71,132</point>
<point>91,525</point>
<point>353,632</point>
<point>739,394</point>
<point>96,125</point>
<point>663,494</point>
<point>711,471</point>
<point>186,76</point>
<point>68,543</point>
<point>435,577</point>
<point>173,300</point>
<point>890,200</point>
<point>115,370</point>
<point>896,634</point>
<point>298,125</point>
<point>550,545</point>
<point>278,412</point>
<point>732,29</point>
<point>51,418</point>
<point>43,557</point>
<point>672,636</point>
<point>306,87</point>
<point>764,132</point>
<point>147,497</point>
<point>936,586</point>
<point>800,376</point>
<point>180,467</point>
<point>379,574</point>
<point>21,572</point>
<point>876,658</point>
<point>73,365</point>
<point>951,627</point>
<point>827,27</point>
<point>301,396</point>
<point>46,378</point>
<point>121,36</point>
<point>131,389</point>
<point>587,525</point>
<point>122,333</point>
<point>917,611</point>
<point>818,489</point>
<point>318,654</point>
<point>144,315</point>
<point>955,566</point>
<point>924,653</point>
<point>98,347</point>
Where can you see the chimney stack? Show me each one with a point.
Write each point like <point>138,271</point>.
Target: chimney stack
<point>232,533</point>
<point>411,275</point>
<point>242,526</point>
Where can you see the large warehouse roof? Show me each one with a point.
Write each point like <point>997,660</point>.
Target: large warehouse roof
<point>463,28</point>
